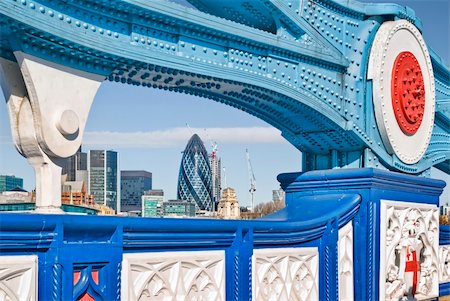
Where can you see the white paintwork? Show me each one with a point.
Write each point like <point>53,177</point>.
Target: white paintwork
<point>14,90</point>
<point>174,276</point>
<point>68,123</point>
<point>18,278</point>
<point>52,90</point>
<point>444,264</point>
<point>392,38</point>
<point>285,274</point>
<point>48,105</point>
<point>345,262</point>
<point>404,225</point>
<point>23,134</point>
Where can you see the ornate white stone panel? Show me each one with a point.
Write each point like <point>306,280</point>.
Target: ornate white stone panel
<point>285,274</point>
<point>409,239</point>
<point>18,278</point>
<point>345,262</point>
<point>174,276</point>
<point>444,264</point>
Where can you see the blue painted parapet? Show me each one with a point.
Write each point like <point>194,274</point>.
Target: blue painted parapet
<point>311,69</point>
<point>326,244</point>
<point>349,84</point>
<point>392,205</point>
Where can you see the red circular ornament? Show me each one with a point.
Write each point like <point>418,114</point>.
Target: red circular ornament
<point>408,92</point>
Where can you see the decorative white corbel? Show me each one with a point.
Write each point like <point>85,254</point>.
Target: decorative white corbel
<point>48,105</point>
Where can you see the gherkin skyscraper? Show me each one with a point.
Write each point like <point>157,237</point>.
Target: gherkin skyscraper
<point>195,179</point>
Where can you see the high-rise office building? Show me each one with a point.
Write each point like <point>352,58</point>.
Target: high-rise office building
<point>194,180</point>
<point>75,167</point>
<point>152,203</point>
<point>214,162</point>
<point>133,183</point>
<point>278,195</point>
<point>103,178</point>
<point>10,182</point>
<point>179,208</point>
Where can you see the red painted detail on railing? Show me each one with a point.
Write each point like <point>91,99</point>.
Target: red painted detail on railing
<point>86,297</point>
<point>76,277</point>
<point>94,275</point>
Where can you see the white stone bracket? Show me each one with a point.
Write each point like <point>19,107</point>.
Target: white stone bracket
<point>48,105</point>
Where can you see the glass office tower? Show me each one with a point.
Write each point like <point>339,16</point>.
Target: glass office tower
<point>195,179</point>
<point>103,177</point>
<point>133,183</point>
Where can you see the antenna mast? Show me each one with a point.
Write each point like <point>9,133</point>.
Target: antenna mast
<point>189,128</point>
<point>224,177</point>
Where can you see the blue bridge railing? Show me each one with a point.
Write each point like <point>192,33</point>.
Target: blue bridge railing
<point>326,244</point>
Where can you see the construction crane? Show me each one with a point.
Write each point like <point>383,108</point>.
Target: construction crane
<point>252,179</point>
<point>213,144</point>
<point>215,169</point>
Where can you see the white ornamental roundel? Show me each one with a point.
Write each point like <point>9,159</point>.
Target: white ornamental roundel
<point>403,89</point>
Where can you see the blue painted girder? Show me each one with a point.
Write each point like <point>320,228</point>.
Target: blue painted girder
<point>302,69</point>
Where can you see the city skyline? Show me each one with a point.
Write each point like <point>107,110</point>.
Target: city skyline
<point>148,129</point>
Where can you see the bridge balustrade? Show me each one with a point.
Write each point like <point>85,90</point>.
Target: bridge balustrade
<point>333,240</point>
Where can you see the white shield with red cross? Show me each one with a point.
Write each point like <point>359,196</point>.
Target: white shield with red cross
<point>408,251</point>
<point>412,271</point>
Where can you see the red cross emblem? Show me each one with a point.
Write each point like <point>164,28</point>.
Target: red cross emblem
<point>412,265</point>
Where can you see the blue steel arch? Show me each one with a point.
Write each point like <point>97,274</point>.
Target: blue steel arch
<point>303,70</point>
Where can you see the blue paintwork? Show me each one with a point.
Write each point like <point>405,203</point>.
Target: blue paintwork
<point>298,65</point>
<point>444,239</point>
<point>372,185</point>
<point>317,205</point>
<point>444,235</point>
<point>83,242</point>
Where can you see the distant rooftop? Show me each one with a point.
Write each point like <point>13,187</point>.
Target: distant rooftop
<point>135,173</point>
<point>18,189</point>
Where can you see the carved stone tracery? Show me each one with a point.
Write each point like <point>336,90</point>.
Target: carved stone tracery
<point>285,274</point>
<point>345,262</point>
<point>444,264</point>
<point>174,276</point>
<point>410,251</point>
<point>18,277</point>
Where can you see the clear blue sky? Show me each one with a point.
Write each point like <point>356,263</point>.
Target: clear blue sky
<point>136,118</point>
